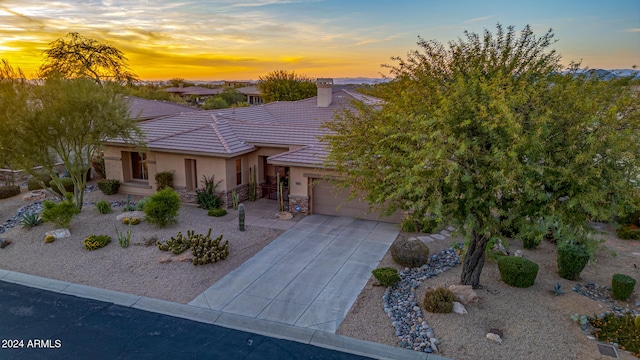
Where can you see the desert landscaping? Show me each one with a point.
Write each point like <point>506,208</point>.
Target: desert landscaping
<point>535,323</point>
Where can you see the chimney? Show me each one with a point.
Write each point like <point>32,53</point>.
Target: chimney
<point>325,91</point>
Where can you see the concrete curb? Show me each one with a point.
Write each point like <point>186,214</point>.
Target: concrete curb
<point>218,318</point>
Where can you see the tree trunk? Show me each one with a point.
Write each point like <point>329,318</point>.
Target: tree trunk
<point>474,260</point>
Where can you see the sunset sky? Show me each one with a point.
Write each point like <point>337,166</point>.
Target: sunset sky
<point>244,39</point>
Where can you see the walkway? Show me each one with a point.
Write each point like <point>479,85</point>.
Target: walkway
<point>308,277</point>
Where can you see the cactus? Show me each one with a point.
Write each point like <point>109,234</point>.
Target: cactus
<point>241,217</point>
<point>49,239</point>
<point>235,198</point>
<point>134,221</point>
<point>126,221</point>
<point>205,250</point>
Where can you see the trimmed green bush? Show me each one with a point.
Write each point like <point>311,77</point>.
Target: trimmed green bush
<point>60,213</point>
<point>410,252</point>
<point>67,183</point>
<point>7,191</point>
<point>104,207</point>
<point>33,182</point>
<point>628,232</point>
<point>517,271</point>
<point>164,179</point>
<point>531,241</point>
<point>217,212</point>
<point>571,260</point>
<point>386,276</point>
<point>162,208</point>
<point>108,186</point>
<point>439,300</point>
<point>622,286</point>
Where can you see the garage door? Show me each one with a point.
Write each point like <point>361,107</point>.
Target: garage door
<point>326,201</point>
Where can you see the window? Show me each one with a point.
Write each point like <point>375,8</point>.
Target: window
<point>238,171</point>
<point>139,169</point>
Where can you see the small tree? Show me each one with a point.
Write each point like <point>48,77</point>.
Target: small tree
<point>283,85</point>
<point>215,102</point>
<point>71,121</point>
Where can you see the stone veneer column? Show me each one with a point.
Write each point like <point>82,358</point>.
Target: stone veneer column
<point>301,201</point>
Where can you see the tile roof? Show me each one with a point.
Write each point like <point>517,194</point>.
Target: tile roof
<point>143,109</point>
<point>230,132</point>
<point>194,90</point>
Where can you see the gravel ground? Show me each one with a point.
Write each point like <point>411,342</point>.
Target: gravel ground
<point>135,269</point>
<point>535,323</point>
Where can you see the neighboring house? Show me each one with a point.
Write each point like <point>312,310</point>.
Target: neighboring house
<point>198,93</point>
<point>230,144</point>
<point>252,94</point>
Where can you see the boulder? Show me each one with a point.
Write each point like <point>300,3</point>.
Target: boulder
<point>494,337</point>
<point>184,257</point>
<point>34,195</point>
<point>4,243</point>
<point>410,252</point>
<point>58,233</point>
<point>464,294</point>
<point>131,214</point>
<point>459,308</point>
<point>164,259</point>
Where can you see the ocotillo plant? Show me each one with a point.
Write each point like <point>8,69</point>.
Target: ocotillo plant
<point>241,217</point>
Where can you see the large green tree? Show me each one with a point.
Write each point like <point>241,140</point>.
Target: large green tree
<point>283,85</point>
<point>14,92</point>
<point>81,57</point>
<point>486,133</point>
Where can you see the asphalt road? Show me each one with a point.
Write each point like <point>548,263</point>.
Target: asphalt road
<point>40,324</point>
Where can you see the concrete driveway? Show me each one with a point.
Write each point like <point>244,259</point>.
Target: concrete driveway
<point>307,277</point>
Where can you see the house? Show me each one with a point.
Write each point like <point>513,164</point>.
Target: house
<point>270,141</point>
<point>252,94</point>
<point>198,94</point>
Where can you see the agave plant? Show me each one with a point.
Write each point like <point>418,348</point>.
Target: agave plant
<point>30,220</point>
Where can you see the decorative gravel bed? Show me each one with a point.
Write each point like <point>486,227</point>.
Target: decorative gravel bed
<point>399,301</point>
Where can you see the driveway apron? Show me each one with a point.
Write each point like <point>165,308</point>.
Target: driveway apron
<point>309,276</point>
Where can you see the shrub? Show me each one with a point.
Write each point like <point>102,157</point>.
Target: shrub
<point>124,238</point>
<point>622,286</point>
<point>30,220</point>
<point>97,162</point>
<point>93,242</point>
<point>8,191</point>
<point>67,184</point>
<point>618,329</point>
<point>628,232</point>
<point>108,186</point>
<point>140,204</point>
<point>217,212</point>
<point>386,276</point>
<point>207,197</point>
<point>163,207</point>
<point>517,271</point>
<point>33,182</point>
<point>531,241</point>
<point>49,239</point>
<point>410,252</point>
<point>164,179</point>
<point>60,213</point>
<point>104,207</point>
<point>408,225</point>
<point>439,300</point>
<point>571,259</point>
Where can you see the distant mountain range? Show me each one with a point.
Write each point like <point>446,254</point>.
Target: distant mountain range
<point>612,74</point>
